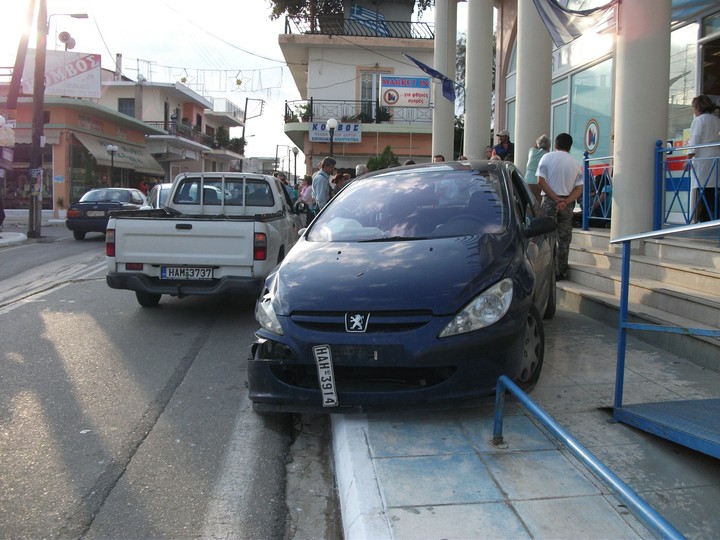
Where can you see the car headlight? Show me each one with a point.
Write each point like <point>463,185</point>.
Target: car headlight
<point>265,314</point>
<point>485,309</point>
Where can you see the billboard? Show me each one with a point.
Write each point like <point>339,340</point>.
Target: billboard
<point>396,91</point>
<point>66,74</point>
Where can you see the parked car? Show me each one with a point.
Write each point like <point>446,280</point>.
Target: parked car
<point>415,285</point>
<point>158,195</point>
<point>91,212</point>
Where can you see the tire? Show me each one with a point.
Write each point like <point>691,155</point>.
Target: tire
<point>79,235</point>
<point>551,306</point>
<point>533,351</point>
<point>147,299</point>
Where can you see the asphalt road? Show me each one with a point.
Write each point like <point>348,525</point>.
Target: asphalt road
<point>123,422</point>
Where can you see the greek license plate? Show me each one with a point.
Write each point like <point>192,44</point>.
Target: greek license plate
<point>326,377</point>
<point>185,272</point>
<point>95,213</point>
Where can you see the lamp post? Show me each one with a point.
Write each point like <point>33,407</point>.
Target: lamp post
<point>111,148</point>
<point>295,151</point>
<point>332,125</point>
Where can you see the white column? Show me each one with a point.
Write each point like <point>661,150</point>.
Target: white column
<point>534,81</point>
<point>445,55</point>
<point>641,109</point>
<point>478,78</point>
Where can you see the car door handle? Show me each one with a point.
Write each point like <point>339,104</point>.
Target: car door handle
<point>184,226</point>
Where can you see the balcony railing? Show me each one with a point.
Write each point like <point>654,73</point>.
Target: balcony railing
<point>364,111</point>
<point>338,25</point>
<point>186,131</point>
<point>223,105</point>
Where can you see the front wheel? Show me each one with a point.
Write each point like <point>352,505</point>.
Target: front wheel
<point>533,351</point>
<point>147,299</point>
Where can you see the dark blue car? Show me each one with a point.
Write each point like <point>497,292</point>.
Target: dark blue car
<point>415,285</point>
<point>92,211</point>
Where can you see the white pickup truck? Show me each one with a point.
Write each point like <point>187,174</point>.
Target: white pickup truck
<point>217,233</point>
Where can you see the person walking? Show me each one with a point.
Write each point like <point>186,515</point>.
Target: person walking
<point>321,183</point>
<point>705,129</point>
<point>560,178</point>
<point>542,147</point>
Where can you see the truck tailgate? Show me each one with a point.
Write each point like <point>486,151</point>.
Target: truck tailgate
<point>193,242</point>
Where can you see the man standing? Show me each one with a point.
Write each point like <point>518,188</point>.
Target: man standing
<point>505,150</point>
<point>321,182</point>
<point>560,178</point>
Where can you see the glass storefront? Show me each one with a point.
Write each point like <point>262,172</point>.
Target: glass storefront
<point>683,76</point>
<point>591,110</point>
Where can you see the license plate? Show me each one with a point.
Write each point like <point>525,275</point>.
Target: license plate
<point>95,213</point>
<point>185,272</point>
<point>326,377</point>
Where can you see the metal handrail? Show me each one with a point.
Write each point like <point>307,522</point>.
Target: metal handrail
<point>632,500</point>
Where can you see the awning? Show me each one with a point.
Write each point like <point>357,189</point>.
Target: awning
<point>127,156</point>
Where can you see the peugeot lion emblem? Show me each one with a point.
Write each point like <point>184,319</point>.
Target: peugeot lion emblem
<point>356,322</point>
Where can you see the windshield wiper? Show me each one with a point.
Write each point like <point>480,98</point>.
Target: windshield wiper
<point>394,238</point>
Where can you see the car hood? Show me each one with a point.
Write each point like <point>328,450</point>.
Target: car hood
<point>440,275</point>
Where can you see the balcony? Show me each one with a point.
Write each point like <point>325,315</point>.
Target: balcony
<point>338,25</point>
<point>366,112</point>
<point>184,131</point>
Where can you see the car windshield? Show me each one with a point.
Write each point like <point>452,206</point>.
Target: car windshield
<point>414,204</point>
<point>106,195</point>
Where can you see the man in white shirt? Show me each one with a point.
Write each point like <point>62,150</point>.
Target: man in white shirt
<point>560,178</point>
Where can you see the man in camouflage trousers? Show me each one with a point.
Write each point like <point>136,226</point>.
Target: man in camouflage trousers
<point>561,180</point>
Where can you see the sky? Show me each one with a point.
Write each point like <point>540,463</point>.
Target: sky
<point>213,44</point>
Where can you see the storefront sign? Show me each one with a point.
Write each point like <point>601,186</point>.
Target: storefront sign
<point>344,133</point>
<point>592,136</point>
<point>396,91</point>
<point>66,74</point>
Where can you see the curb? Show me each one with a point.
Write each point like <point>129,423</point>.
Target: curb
<point>12,239</point>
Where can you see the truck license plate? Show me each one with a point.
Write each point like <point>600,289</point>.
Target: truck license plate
<point>326,377</point>
<point>185,272</point>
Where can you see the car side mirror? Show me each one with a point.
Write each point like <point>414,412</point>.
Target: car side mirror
<point>300,207</point>
<point>540,225</point>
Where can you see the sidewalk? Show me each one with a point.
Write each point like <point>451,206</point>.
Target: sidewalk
<point>11,234</point>
<point>437,475</point>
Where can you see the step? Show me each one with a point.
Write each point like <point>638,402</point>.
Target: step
<point>698,306</point>
<point>605,307</point>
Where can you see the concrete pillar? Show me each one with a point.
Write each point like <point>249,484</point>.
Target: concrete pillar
<point>478,78</point>
<point>642,72</point>
<point>534,81</point>
<point>443,125</point>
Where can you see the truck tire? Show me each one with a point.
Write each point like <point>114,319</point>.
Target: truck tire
<point>147,299</point>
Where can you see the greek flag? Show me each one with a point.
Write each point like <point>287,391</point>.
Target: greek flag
<point>566,24</point>
<point>371,20</point>
<point>448,85</point>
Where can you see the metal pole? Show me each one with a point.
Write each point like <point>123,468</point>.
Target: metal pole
<point>332,136</point>
<point>38,125</point>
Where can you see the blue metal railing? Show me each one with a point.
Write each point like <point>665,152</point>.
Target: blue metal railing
<point>597,191</point>
<point>675,176</point>
<point>632,500</point>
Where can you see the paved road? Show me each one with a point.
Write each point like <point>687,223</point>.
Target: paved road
<point>118,421</point>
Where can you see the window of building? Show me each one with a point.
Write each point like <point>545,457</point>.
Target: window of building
<point>683,73</point>
<point>710,51</point>
<point>126,106</point>
<point>591,99</point>
<point>369,93</point>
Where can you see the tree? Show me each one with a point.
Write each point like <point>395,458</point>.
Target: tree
<point>383,161</point>
<point>308,10</point>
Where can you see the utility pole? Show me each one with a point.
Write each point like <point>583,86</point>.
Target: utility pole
<point>38,125</point>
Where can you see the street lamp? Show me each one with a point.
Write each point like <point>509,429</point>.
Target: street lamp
<point>295,151</point>
<point>111,148</point>
<point>332,125</point>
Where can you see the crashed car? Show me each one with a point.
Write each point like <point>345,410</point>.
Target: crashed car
<point>415,285</point>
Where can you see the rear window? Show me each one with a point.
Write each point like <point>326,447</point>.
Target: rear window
<point>415,204</point>
<point>230,192</point>
<point>107,195</point>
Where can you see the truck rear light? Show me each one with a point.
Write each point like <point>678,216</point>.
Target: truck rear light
<point>260,247</point>
<point>133,266</point>
<point>110,242</point>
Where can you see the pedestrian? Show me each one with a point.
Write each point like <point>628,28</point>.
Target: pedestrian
<point>542,147</point>
<point>705,129</point>
<point>505,150</point>
<point>2,212</point>
<point>144,187</point>
<point>306,196</point>
<point>321,183</point>
<point>360,169</point>
<point>561,180</point>
<point>488,151</point>
<point>409,162</point>
<point>438,158</point>
<point>281,176</point>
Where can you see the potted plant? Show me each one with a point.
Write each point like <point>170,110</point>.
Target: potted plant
<point>304,111</point>
<point>61,208</point>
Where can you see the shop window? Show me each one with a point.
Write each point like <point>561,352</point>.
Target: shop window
<point>591,99</point>
<point>683,62</point>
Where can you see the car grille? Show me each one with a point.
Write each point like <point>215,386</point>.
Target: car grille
<point>366,378</point>
<point>380,321</point>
